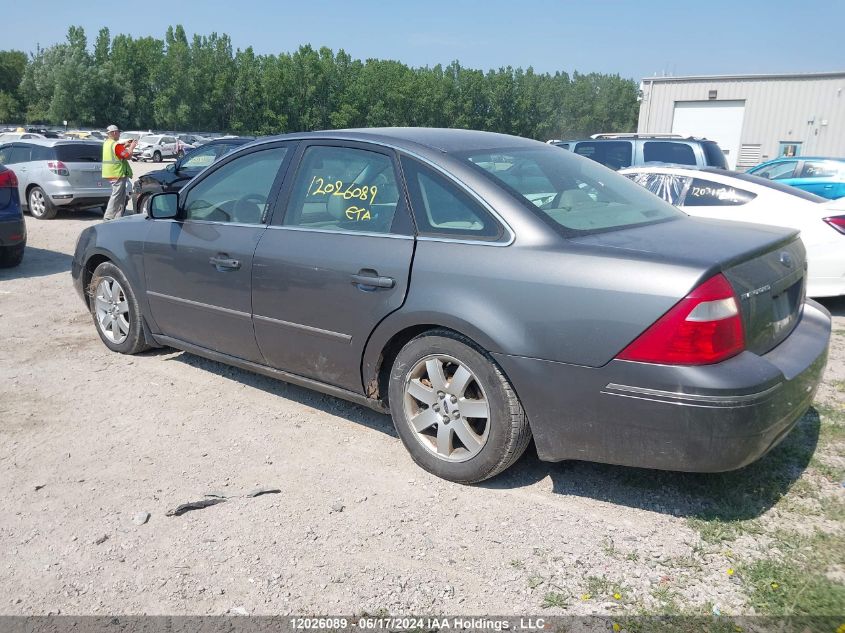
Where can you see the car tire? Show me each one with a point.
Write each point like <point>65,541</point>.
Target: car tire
<point>434,376</point>
<point>156,156</point>
<point>115,310</point>
<point>11,256</point>
<point>40,205</point>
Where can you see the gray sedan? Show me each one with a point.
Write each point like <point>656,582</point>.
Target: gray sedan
<point>484,289</point>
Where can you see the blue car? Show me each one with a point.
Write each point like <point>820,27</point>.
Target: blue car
<point>12,225</point>
<point>822,176</point>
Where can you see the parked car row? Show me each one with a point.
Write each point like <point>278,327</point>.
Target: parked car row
<point>822,176</point>
<point>483,289</point>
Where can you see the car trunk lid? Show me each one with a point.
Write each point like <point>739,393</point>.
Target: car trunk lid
<point>765,265</point>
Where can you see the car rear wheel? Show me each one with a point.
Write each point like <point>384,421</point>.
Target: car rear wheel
<point>454,409</point>
<point>114,307</point>
<point>40,205</point>
<point>11,256</point>
<point>157,156</point>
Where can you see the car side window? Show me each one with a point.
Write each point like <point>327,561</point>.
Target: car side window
<point>200,158</point>
<point>613,154</point>
<point>668,152</point>
<point>20,154</point>
<point>669,187</point>
<point>238,191</point>
<point>39,152</point>
<point>5,154</point>
<point>168,140</point>
<point>705,193</point>
<point>443,209</point>
<point>344,189</point>
<point>777,171</point>
<point>819,169</point>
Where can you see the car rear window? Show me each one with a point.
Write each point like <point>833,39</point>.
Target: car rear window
<point>575,196</point>
<point>80,152</point>
<point>714,155</point>
<point>613,154</point>
<point>668,152</point>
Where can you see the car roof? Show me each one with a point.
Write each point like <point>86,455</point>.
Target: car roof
<point>52,142</point>
<point>439,139</point>
<point>783,158</point>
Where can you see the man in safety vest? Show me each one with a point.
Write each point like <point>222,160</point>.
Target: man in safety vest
<point>117,170</point>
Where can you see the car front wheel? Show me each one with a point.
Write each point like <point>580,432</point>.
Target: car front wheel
<point>157,156</point>
<point>454,409</point>
<point>114,307</point>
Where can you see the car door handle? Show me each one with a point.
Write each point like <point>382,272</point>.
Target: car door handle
<point>371,279</point>
<point>222,262</point>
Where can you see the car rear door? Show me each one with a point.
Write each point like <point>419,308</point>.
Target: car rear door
<point>198,266</point>
<point>334,264</point>
<point>821,177</point>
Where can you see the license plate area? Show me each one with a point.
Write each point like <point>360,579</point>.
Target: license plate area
<point>785,307</point>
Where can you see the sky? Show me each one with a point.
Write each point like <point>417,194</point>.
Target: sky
<point>635,39</point>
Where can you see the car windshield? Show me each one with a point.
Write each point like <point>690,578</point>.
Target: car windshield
<point>574,194</point>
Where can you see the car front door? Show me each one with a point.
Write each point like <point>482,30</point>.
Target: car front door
<point>334,264</point>
<point>198,266</point>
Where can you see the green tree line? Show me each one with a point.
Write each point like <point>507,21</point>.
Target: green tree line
<point>202,84</point>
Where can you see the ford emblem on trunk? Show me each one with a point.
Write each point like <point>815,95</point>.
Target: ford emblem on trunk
<point>786,259</point>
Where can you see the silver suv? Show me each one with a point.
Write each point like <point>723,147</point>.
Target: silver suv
<point>55,174</point>
<point>618,151</point>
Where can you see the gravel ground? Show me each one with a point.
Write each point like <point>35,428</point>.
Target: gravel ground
<point>92,441</point>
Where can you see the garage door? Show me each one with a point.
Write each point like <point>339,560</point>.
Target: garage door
<point>720,121</point>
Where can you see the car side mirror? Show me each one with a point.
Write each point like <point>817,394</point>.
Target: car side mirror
<point>164,206</point>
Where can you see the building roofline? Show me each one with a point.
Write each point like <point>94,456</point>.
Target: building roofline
<point>817,75</point>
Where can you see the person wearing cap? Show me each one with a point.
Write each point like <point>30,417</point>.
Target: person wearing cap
<point>116,170</point>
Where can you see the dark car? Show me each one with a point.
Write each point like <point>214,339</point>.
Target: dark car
<point>618,151</point>
<point>177,174</point>
<point>12,224</point>
<point>480,287</point>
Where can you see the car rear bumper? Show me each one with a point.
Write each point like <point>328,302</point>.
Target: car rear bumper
<point>708,418</point>
<point>12,231</point>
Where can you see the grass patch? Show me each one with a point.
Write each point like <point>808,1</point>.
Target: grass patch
<point>794,584</point>
<point>555,599</point>
<point>716,531</point>
<point>535,581</point>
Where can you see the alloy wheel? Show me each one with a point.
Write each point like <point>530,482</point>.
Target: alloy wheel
<point>447,408</point>
<point>37,204</point>
<point>112,310</point>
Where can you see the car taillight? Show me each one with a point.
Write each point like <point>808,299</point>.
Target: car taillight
<point>837,222</point>
<point>8,179</point>
<point>705,327</point>
<point>57,167</point>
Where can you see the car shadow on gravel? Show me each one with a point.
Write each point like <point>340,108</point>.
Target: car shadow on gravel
<point>38,262</point>
<point>733,496</point>
<point>325,403</point>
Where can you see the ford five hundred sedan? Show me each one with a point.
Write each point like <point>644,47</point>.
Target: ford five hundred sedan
<point>483,289</point>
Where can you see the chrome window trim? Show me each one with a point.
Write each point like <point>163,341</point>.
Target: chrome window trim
<point>212,222</point>
<point>394,236</point>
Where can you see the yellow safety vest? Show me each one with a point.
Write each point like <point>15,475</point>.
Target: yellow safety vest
<point>113,167</point>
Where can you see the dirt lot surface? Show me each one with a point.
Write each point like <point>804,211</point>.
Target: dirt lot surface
<point>90,439</point>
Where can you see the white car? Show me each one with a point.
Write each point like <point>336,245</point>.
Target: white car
<point>157,147</point>
<point>728,195</point>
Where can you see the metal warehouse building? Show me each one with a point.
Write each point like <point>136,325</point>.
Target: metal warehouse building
<point>752,117</point>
